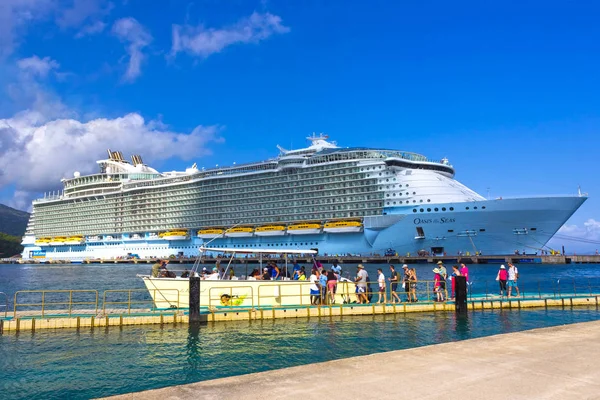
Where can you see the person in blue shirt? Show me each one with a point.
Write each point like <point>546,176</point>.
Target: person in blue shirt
<point>323,286</point>
<point>337,269</point>
<point>296,270</point>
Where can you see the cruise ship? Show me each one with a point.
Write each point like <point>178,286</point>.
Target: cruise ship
<point>339,200</point>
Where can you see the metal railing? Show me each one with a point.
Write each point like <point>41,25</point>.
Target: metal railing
<point>133,302</point>
<point>5,305</point>
<point>55,298</point>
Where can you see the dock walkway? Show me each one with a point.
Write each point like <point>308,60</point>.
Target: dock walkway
<point>549,363</point>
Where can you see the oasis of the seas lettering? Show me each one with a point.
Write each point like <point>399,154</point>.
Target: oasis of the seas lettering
<point>442,220</point>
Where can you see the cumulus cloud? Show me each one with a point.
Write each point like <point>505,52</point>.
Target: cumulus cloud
<point>581,238</point>
<point>135,37</point>
<point>35,152</point>
<point>202,42</point>
<point>36,66</point>
<point>15,15</point>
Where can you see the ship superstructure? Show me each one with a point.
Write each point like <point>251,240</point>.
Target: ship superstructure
<point>340,200</point>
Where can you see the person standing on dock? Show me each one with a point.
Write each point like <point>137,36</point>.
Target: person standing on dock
<point>455,272</point>
<point>464,271</point>
<point>361,285</point>
<point>513,276</point>
<point>381,286</point>
<point>502,277</point>
<point>406,282</point>
<point>443,276</point>
<point>394,279</point>
<point>314,287</point>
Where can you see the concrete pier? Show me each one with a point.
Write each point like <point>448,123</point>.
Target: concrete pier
<point>549,363</point>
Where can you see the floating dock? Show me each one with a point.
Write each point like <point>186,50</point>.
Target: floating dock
<point>92,319</point>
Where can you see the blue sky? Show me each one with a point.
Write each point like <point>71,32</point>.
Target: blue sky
<point>508,91</point>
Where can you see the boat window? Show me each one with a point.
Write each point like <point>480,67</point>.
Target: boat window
<point>451,208</point>
<point>429,210</point>
<point>421,210</point>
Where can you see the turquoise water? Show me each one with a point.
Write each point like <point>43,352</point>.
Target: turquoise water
<point>80,365</point>
<point>86,364</point>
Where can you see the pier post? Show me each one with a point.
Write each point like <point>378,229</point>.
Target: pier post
<point>460,301</point>
<point>194,299</point>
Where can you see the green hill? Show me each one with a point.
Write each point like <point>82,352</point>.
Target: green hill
<point>9,245</point>
<point>13,222</point>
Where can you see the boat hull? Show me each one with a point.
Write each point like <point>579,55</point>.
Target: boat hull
<point>310,231</point>
<point>174,293</point>
<point>178,237</point>
<point>349,229</point>
<point>503,226</point>
<point>209,235</point>
<point>239,234</point>
<point>269,233</point>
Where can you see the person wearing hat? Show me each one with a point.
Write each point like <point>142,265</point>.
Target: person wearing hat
<point>443,272</point>
<point>266,276</point>
<point>214,276</point>
<point>502,277</point>
<point>361,284</point>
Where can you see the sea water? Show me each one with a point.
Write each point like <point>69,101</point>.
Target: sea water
<point>92,363</point>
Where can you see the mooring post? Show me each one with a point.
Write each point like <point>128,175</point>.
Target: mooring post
<point>460,301</point>
<point>194,299</point>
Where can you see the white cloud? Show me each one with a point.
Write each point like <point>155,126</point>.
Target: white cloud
<point>200,41</point>
<point>16,15</point>
<point>92,29</point>
<point>136,37</point>
<point>579,238</point>
<point>36,66</point>
<point>82,11</point>
<point>36,152</point>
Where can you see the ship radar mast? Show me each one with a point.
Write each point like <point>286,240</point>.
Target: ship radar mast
<point>320,142</point>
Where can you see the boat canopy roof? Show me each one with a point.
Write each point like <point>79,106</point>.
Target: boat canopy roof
<point>251,251</point>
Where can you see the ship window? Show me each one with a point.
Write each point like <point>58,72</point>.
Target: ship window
<point>414,192</point>
<point>429,210</point>
<point>421,210</point>
<point>420,201</point>
<point>420,232</point>
<point>429,200</point>
<point>533,229</point>
<point>435,209</point>
<point>466,208</point>
<point>482,230</point>
<point>414,210</point>
<point>483,207</point>
<point>451,208</point>
<point>450,230</point>
<point>475,208</point>
<point>443,208</point>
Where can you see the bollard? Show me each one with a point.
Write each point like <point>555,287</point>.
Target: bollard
<point>460,302</point>
<point>194,315</point>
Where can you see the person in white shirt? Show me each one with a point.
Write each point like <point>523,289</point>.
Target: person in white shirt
<point>513,276</point>
<point>381,284</point>
<point>315,294</point>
